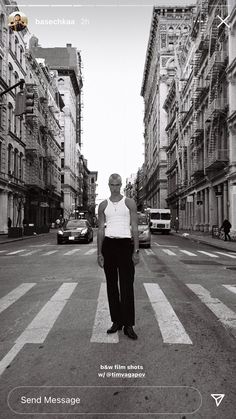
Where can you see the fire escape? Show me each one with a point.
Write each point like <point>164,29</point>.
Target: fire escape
<point>216,156</point>
<point>200,88</point>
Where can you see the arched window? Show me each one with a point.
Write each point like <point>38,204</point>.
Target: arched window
<point>61,82</point>
<point>10,117</point>
<point>16,45</point>
<point>21,166</point>
<point>2,24</point>
<point>21,54</point>
<point>15,163</point>
<point>9,161</point>
<point>10,74</point>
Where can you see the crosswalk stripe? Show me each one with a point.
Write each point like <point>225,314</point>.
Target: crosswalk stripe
<point>29,253</point>
<point>227,254</point>
<point>149,252</point>
<point>102,320</point>
<point>71,252</point>
<point>1,251</point>
<point>207,254</point>
<point>40,326</point>
<point>16,251</point>
<point>156,244</point>
<point>231,288</point>
<point>14,295</point>
<point>221,311</point>
<point>188,253</point>
<point>170,326</point>
<point>49,253</point>
<point>91,251</point>
<point>168,252</point>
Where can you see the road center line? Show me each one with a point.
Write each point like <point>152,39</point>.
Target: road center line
<point>40,326</point>
<point>102,320</point>
<point>14,295</point>
<point>170,326</point>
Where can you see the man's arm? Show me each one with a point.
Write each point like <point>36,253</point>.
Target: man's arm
<point>101,232</point>
<point>130,203</point>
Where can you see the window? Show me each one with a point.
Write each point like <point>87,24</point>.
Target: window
<point>1,66</point>
<point>10,116</point>
<point>21,54</point>
<point>9,158</point>
<point>62,179</point>
<point>21,166</point>
<point>0,156</point>
<point>15,163</point>
<point>10,74</point>
<point>62,163</point>
<point>16,46</point>
<point>62,146</point>
<point>1,26</point>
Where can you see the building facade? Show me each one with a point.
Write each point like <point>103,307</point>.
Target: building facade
<point>12,128</point>
<point>42,145</point>
<point>201,139</point>
<point>168,25</point>
<point>67,63</point>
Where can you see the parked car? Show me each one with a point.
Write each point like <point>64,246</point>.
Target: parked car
<point>144,230</point>
<point>75,231</point>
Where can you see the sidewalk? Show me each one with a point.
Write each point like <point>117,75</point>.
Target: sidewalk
<point>4,238</point>
<point>206,238</point>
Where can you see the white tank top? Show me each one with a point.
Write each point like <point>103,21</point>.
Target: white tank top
<point>117,219</point>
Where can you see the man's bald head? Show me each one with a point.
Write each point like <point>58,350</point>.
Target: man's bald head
<point>115,177</point>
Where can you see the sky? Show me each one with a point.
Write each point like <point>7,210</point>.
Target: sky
<point>112,36</point>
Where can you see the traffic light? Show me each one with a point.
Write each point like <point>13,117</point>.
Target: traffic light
<point>29,102</point>
<point>24,102</point>
<point>20,103</point>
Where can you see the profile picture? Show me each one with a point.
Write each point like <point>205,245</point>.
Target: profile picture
<point>17,21</point>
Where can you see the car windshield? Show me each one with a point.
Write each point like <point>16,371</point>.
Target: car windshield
<point>142,220</point>
<point>76,223</point>
<point>155,215</point>
<point>165,216</point>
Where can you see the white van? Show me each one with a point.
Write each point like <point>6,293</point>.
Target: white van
<point>159,220</point>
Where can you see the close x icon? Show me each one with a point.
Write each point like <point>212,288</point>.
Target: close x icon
<point>223,21</point>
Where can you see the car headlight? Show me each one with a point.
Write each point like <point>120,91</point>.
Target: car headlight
<point>84,231</point>
<point>60,232</point>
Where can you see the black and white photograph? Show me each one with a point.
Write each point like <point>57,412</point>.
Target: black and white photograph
<point>118,209</point>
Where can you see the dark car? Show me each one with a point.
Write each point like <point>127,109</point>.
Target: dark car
<point>144,230</point>
<point>75,231</point>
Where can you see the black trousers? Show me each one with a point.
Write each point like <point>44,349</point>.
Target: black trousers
<point>119,268</point>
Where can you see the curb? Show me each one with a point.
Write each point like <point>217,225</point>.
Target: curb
<point>17,239</point>
<point>200,240</point>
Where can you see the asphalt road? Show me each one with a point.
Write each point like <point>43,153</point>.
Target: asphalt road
<point>54,316</point>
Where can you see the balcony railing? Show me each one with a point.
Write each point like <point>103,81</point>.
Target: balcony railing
<point>216,106</point>
<point>217,158</point>
<point>216,61</point>
<point>197,168</point>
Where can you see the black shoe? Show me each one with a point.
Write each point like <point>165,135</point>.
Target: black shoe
<point>129,331</point>
<point>114,328</point>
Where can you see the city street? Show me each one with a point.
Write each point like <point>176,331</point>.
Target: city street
<point>54,316</point>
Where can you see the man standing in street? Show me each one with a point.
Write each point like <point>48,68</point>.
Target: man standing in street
<point>117,219</point>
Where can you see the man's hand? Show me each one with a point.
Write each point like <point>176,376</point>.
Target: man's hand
<point>100,260</point>
<point>135,258</point>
